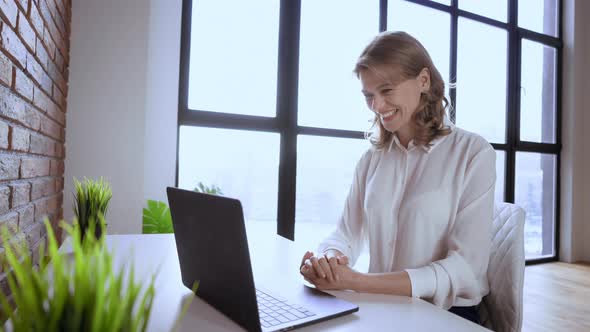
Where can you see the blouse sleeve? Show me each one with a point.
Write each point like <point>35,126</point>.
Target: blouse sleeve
<point>349,235</point>
<point>462,274</point>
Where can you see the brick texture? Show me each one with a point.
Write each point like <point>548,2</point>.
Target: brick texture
<point>4,132</point>
<point>4,199</point>
<point>21,193</point>
<point>20,139</point>
<point>34,60</point>
<point>5,70</point>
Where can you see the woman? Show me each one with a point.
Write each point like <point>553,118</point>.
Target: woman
<point>422,196</point>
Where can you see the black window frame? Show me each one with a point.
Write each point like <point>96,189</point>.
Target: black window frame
<point>285,121</point>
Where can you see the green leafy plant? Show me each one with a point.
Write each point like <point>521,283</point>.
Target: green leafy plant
<point>79,293</point>
<point>157,218</point>
<point>91,201</point>
<point>213,190</point>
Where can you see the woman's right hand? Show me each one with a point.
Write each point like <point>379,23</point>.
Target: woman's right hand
<point>324,267</point>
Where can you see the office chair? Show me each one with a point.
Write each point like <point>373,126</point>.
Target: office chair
<point>501,310</point>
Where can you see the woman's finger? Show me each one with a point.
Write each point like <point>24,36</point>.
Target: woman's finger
<point>308,255</point>
<point>323,262</point>
<point>307,270</point>
<point>304,269</point>
<point>333,262</point>
<point>311,281</point>
<point>343,260</point>
<point>319,271</point>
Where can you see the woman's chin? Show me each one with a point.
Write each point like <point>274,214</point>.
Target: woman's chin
<point>391,129</point>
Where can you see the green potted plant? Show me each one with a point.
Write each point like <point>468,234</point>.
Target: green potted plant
<point>79,292</point>
<point>91,201</point>
<point>213,190</point>
<point>157,218</point>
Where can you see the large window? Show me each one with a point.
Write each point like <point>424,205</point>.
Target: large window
<point>270,111</point>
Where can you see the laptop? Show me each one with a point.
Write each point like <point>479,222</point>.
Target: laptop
<point>213,249</point>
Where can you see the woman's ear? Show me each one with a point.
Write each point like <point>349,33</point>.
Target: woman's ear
<point>424,80</point>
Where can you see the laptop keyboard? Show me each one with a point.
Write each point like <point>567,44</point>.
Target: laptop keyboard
<point>274,310</point>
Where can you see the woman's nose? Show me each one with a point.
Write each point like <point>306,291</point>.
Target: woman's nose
<point>377,104</point>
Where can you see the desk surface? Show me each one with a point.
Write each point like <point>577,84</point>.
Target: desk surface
<point>269,253</point>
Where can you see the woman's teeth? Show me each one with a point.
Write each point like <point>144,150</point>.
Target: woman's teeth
<point>388,114</point>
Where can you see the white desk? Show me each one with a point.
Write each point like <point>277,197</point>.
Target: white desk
<point>274,260</point>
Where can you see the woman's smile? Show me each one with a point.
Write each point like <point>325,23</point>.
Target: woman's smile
<point>386,117</point>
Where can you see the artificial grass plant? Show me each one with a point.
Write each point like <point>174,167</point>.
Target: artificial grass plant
<point>91,201</point>
<point>72,292</point>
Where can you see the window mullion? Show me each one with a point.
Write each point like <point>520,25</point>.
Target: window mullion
<point>453,60</point>
<point>382,15</point>
<point>512,100</point>
<point>287,94</point>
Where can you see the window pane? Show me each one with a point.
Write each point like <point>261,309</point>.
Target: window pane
<point>434,33</point>
<point>537,95</point>
<point>243,164</point>
<point>497,9</point>
<point>325,168</point>
<point>329,93</point>
<point>535,192</point>
<point>233,62</point>
<point>539,15</point>
<point>481,80</point>
<point>500,171</point>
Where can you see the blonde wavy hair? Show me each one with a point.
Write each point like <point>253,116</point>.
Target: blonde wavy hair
<point>404,54</point>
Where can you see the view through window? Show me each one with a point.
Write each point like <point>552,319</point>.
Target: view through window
<point>271,112</point>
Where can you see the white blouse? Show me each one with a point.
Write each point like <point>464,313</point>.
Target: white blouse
<point>425,210</point>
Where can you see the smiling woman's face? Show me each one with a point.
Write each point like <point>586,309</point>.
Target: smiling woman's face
<point>394,101</point>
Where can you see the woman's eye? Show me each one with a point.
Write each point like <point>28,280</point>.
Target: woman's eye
<point>386,91</point>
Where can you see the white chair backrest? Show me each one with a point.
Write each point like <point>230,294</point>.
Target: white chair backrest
<point>501,309</point>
